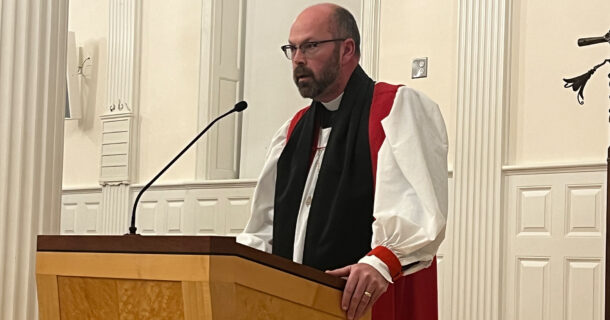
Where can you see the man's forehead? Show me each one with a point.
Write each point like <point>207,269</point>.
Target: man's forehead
<point>310,24</point>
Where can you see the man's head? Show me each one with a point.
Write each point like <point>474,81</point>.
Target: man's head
<point>323,69</point>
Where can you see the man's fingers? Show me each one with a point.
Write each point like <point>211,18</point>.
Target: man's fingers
<point>377,294</point>
<point>341,272</point>
<point>365,303</point>
<point>348,292</point>
<point>358,296</point>
<point>362,278</point>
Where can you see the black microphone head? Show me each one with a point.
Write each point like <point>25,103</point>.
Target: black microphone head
<point>240,106</point>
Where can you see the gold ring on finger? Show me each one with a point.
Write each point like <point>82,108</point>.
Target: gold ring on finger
<point>368,294</point>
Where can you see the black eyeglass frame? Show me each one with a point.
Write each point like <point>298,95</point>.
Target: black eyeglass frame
<point>310,44</point>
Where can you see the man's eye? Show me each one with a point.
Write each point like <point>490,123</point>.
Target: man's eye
<point>309,45</point>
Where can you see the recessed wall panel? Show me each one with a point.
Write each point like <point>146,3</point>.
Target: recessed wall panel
<point>229,32</point>
<point>114,171</point>
<point>238,214</point>
<point>68,218</point>
<point>205,216</point>
<point>114,160</point>
<point>115,148</point>
<point>121,125</point>
<point>584,210</point>
<point>583,290</point>
<point>92,212</point>
<point>175,211</point>
<point>115,137</point>
<point>534,211</point>
<point>225,157</point>
<point>147,217</point>
<point>533,291</point>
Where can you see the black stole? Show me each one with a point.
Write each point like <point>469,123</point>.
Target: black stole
<point>339,228</point>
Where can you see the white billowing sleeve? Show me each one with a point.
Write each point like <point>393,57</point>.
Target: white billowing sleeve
<point>410,206</point>
<point>258,233</point>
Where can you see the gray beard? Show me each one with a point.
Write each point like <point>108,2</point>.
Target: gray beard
<point>316,86</point>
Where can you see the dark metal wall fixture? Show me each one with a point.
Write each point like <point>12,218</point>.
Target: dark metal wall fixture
<point>578,84</point>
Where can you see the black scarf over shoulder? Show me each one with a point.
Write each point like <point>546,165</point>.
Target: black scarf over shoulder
<point>339,227</point>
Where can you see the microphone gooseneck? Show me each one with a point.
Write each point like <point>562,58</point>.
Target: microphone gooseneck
<point>240,106</point>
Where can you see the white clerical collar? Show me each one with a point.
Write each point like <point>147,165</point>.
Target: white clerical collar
<point>333,105</point>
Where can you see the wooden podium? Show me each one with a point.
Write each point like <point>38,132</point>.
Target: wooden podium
<point>176,277</point>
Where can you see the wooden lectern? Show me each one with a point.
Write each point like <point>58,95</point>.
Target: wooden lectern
<point>176,277</point>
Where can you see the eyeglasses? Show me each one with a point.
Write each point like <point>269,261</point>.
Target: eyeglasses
<point>307,48</point>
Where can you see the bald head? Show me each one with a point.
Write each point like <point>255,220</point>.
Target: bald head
<point>338,21</point>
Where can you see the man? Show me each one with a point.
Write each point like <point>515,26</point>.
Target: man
<point>364,167</point>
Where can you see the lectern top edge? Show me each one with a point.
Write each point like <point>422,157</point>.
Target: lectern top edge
<point>195,245</point>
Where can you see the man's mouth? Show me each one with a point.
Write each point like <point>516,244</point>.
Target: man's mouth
<point>302,74</point>
<point>302,77</point>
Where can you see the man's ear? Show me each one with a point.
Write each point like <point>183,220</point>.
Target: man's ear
<point>349,50</point>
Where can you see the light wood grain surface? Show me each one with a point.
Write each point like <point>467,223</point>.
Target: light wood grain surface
<point>172,286</point>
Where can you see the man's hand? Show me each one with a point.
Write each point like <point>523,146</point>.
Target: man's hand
<point>364,286</point>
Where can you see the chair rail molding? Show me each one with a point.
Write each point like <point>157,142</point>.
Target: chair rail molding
<point>476,233</point>
<point>119,148</point>
<point>33,41</point>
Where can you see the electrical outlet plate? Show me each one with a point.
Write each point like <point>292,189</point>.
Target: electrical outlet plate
<point>419,68</point>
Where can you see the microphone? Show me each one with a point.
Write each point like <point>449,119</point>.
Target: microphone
<point>240,106</point>
<point>594,40</point>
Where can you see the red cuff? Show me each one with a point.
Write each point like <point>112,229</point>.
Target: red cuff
<point>389,258</point>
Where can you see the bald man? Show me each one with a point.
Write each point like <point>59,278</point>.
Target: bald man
<point>356,183</point>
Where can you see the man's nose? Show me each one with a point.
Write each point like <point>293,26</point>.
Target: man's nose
<point>298,57</point>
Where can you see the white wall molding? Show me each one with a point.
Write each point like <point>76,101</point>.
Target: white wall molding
<point>124,55</point>
<point>475,253</point>
<point>204,94</point>
<point>116,166</point>
<point>115,206</point>
<point>81,212</point>
<point>221,77</point>
<point>33,40</point>
<point>554,234</point>
<point>120,130</point>
<point>369,30</point>
<point>554,168</point>
<point>80,190</point>
<point>199,208</point>
<point>208,184</point>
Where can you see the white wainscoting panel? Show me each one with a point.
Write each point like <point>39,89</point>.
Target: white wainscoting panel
<point>584,288</point>
<point>533,288</point>
<point>81,212</point>
<point>534,211</point>
<point>211,208</point>
<point>163,212</point>
<point>206,208</point>
<point>584,210</point>
<point>554,233</point>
